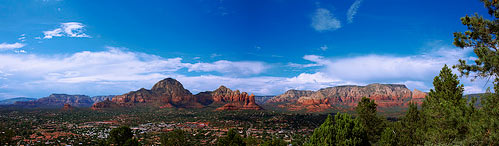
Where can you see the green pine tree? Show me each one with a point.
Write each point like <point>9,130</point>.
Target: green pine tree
<point>366,111</point>
<point>482,36</point>
<point>388,137</point>
<point>446,111</point>
<point>342,130</point>
<point>411,130</point>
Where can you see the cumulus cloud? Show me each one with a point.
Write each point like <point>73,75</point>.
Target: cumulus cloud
<point>324,20</point>
<point>353,10</point>
<point>415,71</point>
<point>69,29</point>
<point>7,46</point>
<point>106,72</point>
<point>230,67</point>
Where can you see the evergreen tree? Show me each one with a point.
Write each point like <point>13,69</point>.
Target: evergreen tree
<point>120,135</point>
<point>388,137</point>
<point>366,111</point>
<point>342,130</point>
<point>174,138</point>
<point>411,131</point>
<point>482,36</point>
<point>232,139</point>
<point>445,110</point>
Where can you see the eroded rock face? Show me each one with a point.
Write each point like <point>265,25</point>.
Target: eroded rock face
<point>418,96</point>
<point>248,103</point>
<point>167,93</point>
<point>232,100</point>
<point>58,100</point>
<point>104,104</point>
<point>290,96</point>
<point>385,95</point>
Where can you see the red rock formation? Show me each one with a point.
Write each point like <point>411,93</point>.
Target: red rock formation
<point>248,103</point>
<point>418,96</point>
<point>385,95</point>
<point>103,105</point>
<point>233,100</point>
<point>290,96</point>
<point>167,93</point>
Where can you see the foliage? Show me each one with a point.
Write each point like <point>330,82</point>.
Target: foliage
<point>120,135</point>
<point>275,142</point>
<point>366,111</point>
<point>174,138</point>
<point>388,137</point>
<point>411,130</point>
<point>446,111</point>
<point>232,139</point>
<point>342,130</point>
<point>482,36</point>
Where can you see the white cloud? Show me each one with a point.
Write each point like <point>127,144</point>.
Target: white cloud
<point>324,20</point>
<point>6,46</point>
<point>106,72</point>
<point>69,29</point>
<point>415,71</point>
<point>20,51</point>
<point>353,10</point>
<point>230,67</point>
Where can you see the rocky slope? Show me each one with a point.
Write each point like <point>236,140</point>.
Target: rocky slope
<point>58,100</point>
<point>232,100</point>
<point>385,95</point>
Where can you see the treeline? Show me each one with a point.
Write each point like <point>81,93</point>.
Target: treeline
<point>445,118</point>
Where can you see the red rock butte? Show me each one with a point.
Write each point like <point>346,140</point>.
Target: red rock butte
<point>170,93</point>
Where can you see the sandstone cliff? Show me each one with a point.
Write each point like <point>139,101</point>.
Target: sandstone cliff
<point>290,96</point>
<point>232,100</point>
<point>385,95</point>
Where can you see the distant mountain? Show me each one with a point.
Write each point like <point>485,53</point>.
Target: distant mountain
<point>169,93</point>
<point>13,100</point>
<point>58,100</point>
<point>101,98</point>
<point>262,99</point>
<point>385,95</point>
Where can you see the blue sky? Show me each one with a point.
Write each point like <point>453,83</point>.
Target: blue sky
<point>263,47</point>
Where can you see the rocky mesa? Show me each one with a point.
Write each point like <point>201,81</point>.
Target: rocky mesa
<point>385,95</point>
<point>58,100</point>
